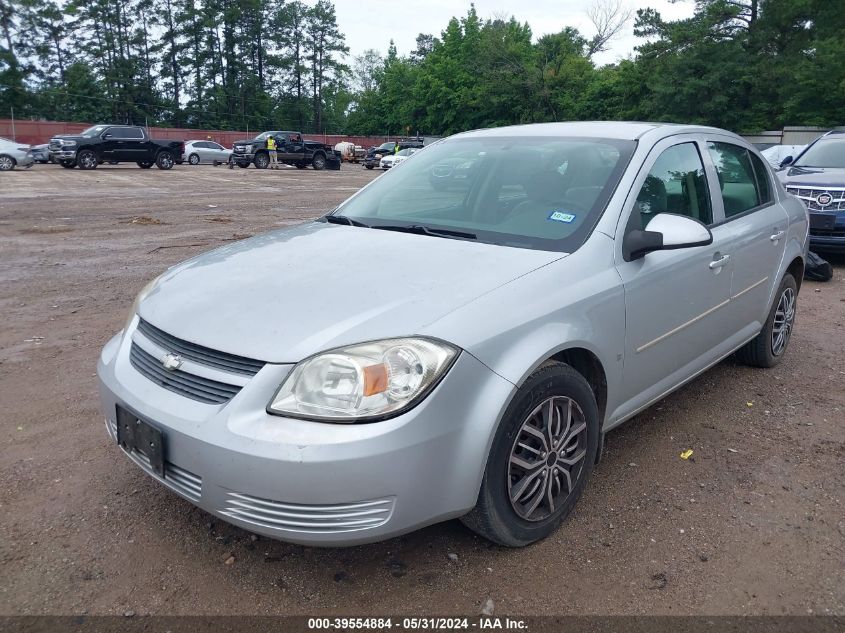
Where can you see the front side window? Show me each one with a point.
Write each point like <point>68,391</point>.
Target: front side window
<point>737,179</point>
<point>93,131</point>
<point>826,152</point>
<point>542,193</point>
<point>676,184</point>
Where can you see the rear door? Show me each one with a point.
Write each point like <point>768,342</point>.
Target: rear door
<point>675,300</point>
<point>755,226</point>
<point>129,144</point>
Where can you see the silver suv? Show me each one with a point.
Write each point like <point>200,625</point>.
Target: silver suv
<point>456,338</point>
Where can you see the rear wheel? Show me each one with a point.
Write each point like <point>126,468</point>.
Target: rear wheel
<point>319,162</point>
<point>144,164</point>
<point>87,159</point>
<point>114,162</point>
<point>542,455</point>
<point>768,347</point>
<point>7,163</point>
<point>262,160</point>
<point>194,159</point>
<point>164,160</point>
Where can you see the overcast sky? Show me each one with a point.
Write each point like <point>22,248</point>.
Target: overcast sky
<point>372,23</point>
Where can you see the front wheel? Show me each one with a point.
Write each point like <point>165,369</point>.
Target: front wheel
<point>768,347</point>
<point>164,160</point>
<point>194,159</point>
<point>7,163</point>
<point>86,159</point>
<point>262,160</point>
<point>542,455</point>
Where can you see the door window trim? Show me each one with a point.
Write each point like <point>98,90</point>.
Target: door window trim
<point>725,217</point>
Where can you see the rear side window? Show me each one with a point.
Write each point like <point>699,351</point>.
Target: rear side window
<point>676,184</point>
<point>742,188</point>
<point>127,132</point>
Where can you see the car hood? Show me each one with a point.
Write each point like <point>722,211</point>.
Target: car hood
<point>73,137</point>
<point>813,177</point>
<point>282,296</point>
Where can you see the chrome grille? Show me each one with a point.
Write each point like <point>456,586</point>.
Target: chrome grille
<point>198,353</point>
<point>347,517</point>
<point>809,195</point>
<point>181,382</point>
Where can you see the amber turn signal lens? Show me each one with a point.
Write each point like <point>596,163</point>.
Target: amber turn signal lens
<point>375,379</point>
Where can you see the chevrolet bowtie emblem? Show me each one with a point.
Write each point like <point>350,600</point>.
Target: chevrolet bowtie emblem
<point>171,362</point>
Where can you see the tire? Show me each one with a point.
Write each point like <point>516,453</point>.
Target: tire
<point>87,159</point>
<point>768,347</point>
<point>194,159</point>
<point>7,163</point>
<point>515,523</point>
<point>114,162</point>
<point>243,165</point>
<point>164,160</point>
<point>67,164</point>
<point>261,160</point>
<point>319,161</point>
<point>368,166</point>
<point>301,165</point>
<point>144,164</point>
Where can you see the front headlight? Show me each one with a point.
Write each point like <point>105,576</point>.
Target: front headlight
<point>364,382</point>
<point>68,143</point>
<point>145,292</point>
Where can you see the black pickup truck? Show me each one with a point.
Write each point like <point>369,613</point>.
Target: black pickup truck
<point>114,144</point>
<point>291,149</point>
<point>375,154</point>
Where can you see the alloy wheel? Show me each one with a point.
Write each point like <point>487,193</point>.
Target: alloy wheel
<point>6,163</point>
<point>194,159</point>
<point>88,160</point>
<point>784,320</point>
<point>547,458</point>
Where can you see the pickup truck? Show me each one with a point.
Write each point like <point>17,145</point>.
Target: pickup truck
<point>114,143</point>
<point>375,154</point>
<point>291,149</point>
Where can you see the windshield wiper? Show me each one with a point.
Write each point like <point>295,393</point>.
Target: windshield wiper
<point>342,219</point>
<point>425,230</point>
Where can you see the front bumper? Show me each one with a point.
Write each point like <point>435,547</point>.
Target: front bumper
<point>316,483</point>
<point>827,231</point>
<point>63,154</point>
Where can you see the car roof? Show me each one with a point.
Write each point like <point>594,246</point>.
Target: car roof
<point>628,130</point>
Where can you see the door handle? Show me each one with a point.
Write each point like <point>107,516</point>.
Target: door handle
<point>777,235</point>
<point>718,263</point>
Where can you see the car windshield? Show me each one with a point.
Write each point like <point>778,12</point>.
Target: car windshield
<point>541,193</point>
<point>389,146</point>
<point>828,152</point>
<point>95,130</point>
<point>406,152</point>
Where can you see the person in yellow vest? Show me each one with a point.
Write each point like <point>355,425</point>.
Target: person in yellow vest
<point>271,149</point>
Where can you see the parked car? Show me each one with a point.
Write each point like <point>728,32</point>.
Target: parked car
<point>776,153</point>
<point>41,153</point>
<point>421,354</point>
<point>391,160</point>
<point>292,149</point>
<point>197,152</point>
<point>113,144</point>
<point>375,154</point>
<point>14,154</point>
<point>817,176</point>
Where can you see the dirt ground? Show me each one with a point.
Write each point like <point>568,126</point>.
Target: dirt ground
<point>754,523</point>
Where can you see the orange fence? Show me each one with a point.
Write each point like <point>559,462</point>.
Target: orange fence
<point>36,132</point>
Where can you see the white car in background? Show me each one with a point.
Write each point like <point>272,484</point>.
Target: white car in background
<point>394,159</point>
<point>197,152</point>
<point>775,154</point>
<point>14,154</point>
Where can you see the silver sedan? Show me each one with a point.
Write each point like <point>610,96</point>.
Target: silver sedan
<point>14,154</point>
<point>197,152</point>
<point>426,352</point>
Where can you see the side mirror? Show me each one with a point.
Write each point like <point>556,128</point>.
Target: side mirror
<point>108,135</point>
<point>665,232</point>
<point>786,161</point>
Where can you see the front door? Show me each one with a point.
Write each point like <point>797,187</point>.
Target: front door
<point>675,300</point>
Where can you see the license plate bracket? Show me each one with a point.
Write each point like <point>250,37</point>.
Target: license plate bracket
<point>133,434</point>
<point>822,220</point>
